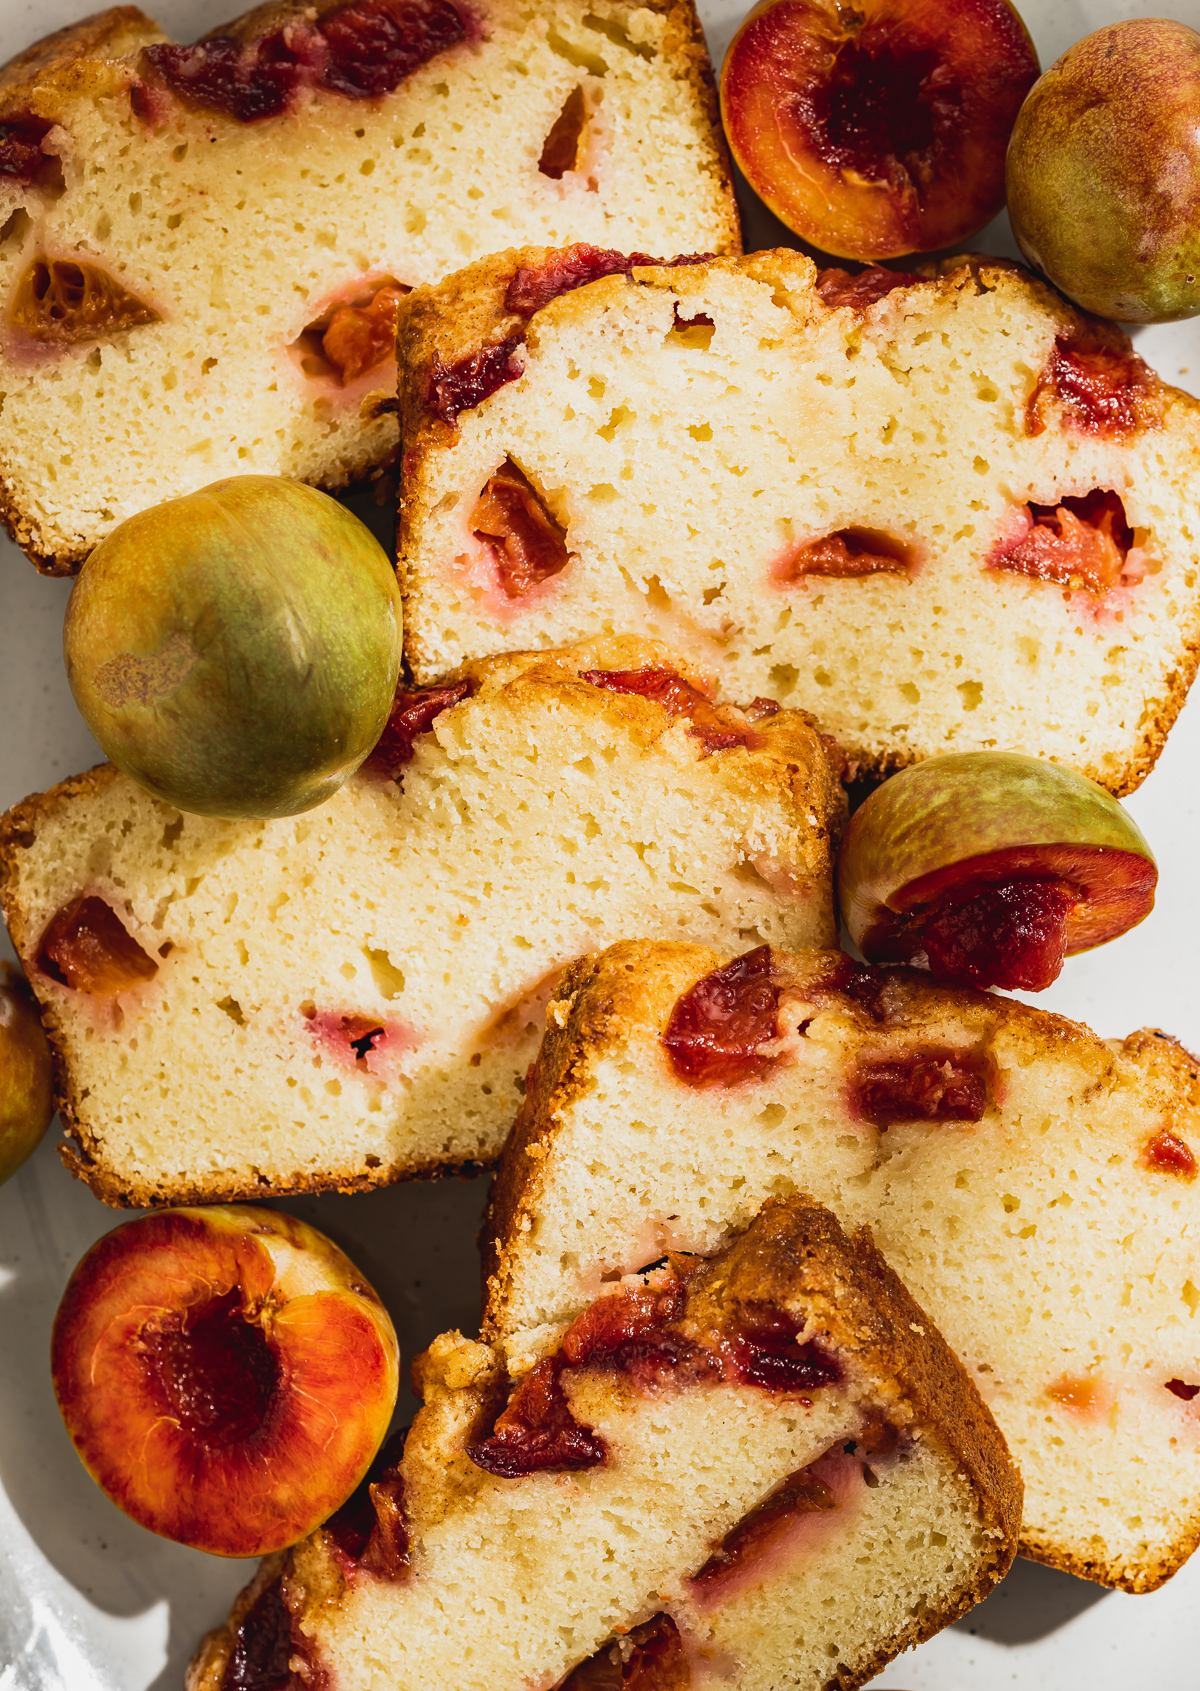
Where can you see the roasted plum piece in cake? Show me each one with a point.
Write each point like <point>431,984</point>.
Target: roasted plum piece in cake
<point>1034,1186</point>
<point>205,246</point>
<point>944,512</point>
<point>755,1470</point>
<point>353,995</point>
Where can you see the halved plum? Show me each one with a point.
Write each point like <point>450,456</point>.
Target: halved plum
<point>226,1375</point>
<point>877,129</point>
<point>991,868</point>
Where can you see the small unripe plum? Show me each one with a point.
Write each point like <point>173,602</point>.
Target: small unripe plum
<point>226,1375</point>
<point>1104,172</point>
<point>26,1075</point>
<point>991,867</point>
<point>236,651</point>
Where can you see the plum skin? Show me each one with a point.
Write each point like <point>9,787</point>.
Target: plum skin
<point>1103,172</point>
<point>979,818</point>
<point>236,651</point>
<point>236,1460</point>
<point>26,1075</point>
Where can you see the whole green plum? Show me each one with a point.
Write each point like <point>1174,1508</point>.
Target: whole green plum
<point>26,1075</point>
<point>236,651</point>
<point>1103,172</point>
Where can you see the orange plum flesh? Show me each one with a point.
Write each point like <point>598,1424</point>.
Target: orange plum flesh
<point>226,1375</point>
<point>26,1075</point>
<point>993,867</point>
<point>877,130</point>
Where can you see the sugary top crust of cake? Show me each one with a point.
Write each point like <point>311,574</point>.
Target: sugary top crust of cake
<point>794,1257</point>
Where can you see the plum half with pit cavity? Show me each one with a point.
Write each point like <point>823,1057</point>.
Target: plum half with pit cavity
<point>226,1375</point>
<point>991,867</point>
<point>877,129</point>
<point>26,1074</point>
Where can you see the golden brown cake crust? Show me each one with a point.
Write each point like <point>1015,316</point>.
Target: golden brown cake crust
<point>465,312</point>
<point>789,764</point>
<point>793,1255</point>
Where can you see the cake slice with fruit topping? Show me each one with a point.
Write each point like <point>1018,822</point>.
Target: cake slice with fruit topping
<point>943,511</point>
<point>764,1470</point>
<point>205,246</point>
<point>1034,1187</point>
<point>353,994</point>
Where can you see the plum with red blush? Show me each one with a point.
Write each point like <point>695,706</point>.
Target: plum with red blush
<point>879,129</point>
<point>991,868</point>
<point>226,1375</point>
<point>26,1074</point>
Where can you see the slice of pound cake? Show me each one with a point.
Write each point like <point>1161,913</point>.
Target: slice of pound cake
<point>353,994</point>
<point>202,248</point>
<point>764,1472</point>
<point>1034,1187</point>
<point>943,512</point>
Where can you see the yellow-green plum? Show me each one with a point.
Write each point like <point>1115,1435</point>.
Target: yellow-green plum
<point>236,651</point>
<point>1103,172</point>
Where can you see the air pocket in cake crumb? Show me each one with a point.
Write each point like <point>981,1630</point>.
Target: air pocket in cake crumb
<point>523,1012</point>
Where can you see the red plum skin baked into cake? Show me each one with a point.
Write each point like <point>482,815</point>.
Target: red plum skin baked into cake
<point>352,995</point>
<point>943,512</point>
<point>763,1470</point>
<point>203,248</point>
<point>1034,1186</point>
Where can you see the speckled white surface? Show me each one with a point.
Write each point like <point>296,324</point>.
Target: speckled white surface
<point>90,1602</point>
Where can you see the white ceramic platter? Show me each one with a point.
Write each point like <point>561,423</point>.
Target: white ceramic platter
<point>90,1602</point>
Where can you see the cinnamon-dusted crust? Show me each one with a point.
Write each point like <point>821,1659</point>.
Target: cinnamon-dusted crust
<point>793,1257</point>
<point>113,34</point>
<point>466,312</point>
<point>206,1670</point>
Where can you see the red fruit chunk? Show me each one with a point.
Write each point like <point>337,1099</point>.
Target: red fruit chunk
<point>716,1028</point>
<point>526,541</point>
<point>1011,934</point>
<point>21,155</point>
<point>656,1662</point>
<point>930,1084</point>
<point>678,697</point>
<point>881,129</point>
<point>225,1375</point>
<point>1101,390</point>
<point>413,713</point>
<point>838,287</point>
<point>370,1531</point>
<point>537,1432</point>
<point>87,947</point>
<point>361,336</point>
<point>535,285</point>
<point>561,150</point>
<point>262,1646</point>
<point>1167,1153</point>
<point>800,1494</point>
<point>61,302</point>
<point>467,382</point>
<point>374,44</point>
<point>848,552</point>
<point>763,1352</point>
<point>1078,543</point>
<point>1187,1393</point>
<point>362,50</point>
